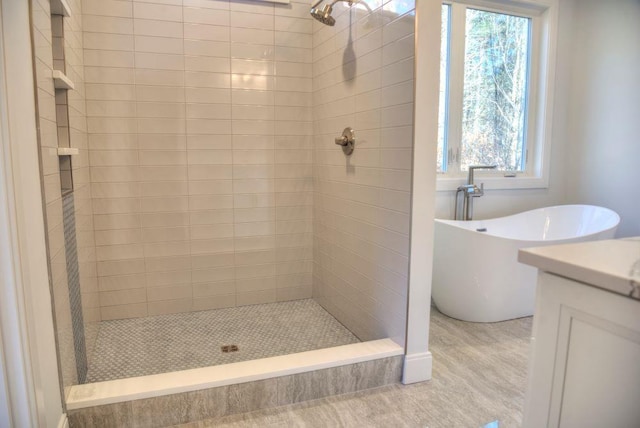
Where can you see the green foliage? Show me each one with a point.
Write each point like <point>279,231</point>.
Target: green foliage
<point>494,98</point>
<point>495,79</point>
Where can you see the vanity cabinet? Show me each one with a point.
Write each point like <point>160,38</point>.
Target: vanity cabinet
<point>584,365</point>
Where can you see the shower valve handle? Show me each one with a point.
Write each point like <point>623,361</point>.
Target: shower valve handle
<point>342,141</point>
<point>347,141</point>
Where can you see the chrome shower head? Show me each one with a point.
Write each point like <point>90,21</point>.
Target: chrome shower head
<point>323,15</point>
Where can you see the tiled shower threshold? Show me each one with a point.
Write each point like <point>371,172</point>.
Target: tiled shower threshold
<point>122,390</point>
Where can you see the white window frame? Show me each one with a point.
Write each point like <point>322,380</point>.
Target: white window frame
<point>543,15</point>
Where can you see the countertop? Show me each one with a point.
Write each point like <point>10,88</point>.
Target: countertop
<point>612,265</point>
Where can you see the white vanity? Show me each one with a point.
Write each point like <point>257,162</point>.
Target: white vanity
<point>584,366</point>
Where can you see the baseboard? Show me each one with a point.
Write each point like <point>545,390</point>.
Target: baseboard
<point>417,368</point>
<point>63,422</point>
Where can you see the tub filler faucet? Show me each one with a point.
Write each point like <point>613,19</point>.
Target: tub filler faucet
<point>470,191</point>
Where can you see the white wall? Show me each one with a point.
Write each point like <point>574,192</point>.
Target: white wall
<point>604,116</point>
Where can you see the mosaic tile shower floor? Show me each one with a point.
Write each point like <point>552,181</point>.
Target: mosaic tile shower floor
<point>165,343</point>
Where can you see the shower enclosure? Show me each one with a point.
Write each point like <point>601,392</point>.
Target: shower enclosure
<point>207,215</point>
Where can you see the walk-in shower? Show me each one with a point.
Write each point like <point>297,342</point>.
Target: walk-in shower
<point>216,219</point>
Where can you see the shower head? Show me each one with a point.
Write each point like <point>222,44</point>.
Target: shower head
<point>323,15</point>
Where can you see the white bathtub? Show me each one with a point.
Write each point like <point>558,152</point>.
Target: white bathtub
<point>476,275</point>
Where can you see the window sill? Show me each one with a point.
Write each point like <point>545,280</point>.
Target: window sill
<point>493,182</point>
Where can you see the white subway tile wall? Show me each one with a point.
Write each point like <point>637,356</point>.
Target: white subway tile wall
<point>363,78</point>
<point>200,145</point>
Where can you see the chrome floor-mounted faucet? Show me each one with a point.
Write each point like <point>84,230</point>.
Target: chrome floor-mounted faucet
<point>470,191</point>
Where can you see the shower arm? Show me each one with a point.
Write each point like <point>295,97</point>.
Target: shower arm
<point>351,2</point>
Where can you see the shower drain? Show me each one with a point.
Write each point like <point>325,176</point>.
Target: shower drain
<point>229,348</point>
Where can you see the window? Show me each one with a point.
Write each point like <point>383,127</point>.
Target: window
<point>493,60</point>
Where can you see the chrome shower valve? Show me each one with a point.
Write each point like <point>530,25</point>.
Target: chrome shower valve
<point>347,141</point>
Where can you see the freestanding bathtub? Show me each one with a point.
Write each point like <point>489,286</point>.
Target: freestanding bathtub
<point>476,275</point>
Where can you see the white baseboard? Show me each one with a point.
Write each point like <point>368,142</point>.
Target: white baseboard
<point>64,422</point>
<point>417,368</point>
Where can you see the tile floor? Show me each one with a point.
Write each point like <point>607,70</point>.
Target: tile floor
<point>479,377</point>
<point>160,344</point>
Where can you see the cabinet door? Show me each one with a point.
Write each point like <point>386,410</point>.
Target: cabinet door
<point>584,369</point>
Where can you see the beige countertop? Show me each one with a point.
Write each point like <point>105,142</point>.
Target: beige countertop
<point>605,264</point>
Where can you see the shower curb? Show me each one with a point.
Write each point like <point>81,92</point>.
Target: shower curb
<point>281,388</point>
